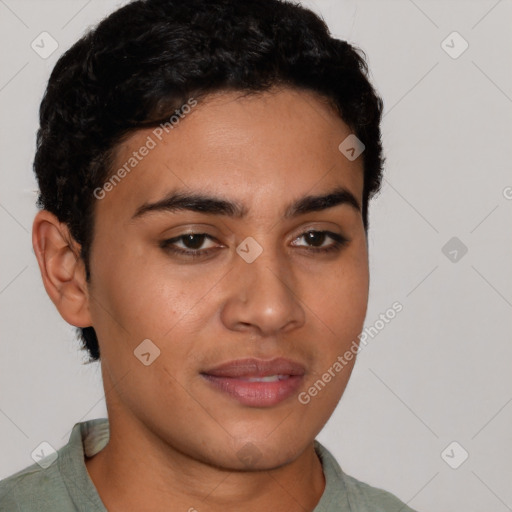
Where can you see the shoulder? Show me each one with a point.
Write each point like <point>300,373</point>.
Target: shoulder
<point>370,498</point>
<point>59,480</point>
<point>33,489</point>
<point>351,493</point>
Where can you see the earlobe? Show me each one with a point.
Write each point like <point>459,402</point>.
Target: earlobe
<point>62,269</point>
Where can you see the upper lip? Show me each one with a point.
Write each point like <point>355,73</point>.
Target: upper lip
<point>256,368</point>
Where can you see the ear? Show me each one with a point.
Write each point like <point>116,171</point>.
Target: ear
<point>62,269</point>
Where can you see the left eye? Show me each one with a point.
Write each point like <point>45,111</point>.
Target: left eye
<point>317,238</point>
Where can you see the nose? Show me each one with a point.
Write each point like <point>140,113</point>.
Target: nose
<point>264,297</point>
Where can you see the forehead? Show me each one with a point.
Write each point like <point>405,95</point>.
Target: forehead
<point>259,149</point>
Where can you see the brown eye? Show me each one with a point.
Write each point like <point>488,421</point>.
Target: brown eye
<point>315,241</point>
<point>191,244</point>
<point>315,238</point>
<point>193,241</point>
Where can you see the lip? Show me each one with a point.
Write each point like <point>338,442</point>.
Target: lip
<point>244,380</point>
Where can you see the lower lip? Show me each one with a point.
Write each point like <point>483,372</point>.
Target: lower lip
<point>257,394</point>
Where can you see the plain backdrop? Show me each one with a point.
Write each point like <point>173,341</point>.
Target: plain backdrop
<point>440,371</point>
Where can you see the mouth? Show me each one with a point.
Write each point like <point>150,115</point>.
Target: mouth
<point>257,382</point>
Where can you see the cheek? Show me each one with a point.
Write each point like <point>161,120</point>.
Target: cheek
<point>339,312</point>
<point>140,297</point>
<point>342,300</point>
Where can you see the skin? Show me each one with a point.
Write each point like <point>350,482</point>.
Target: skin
<point>174,438</point>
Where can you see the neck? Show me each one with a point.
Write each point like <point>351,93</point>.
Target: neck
<point>138,471</point>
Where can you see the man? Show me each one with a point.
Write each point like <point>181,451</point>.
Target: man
<point>205,169</point>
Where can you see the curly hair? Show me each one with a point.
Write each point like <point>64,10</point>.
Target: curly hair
<point>146,59</point>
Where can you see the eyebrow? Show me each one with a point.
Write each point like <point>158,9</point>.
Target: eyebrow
<point>210,205</point>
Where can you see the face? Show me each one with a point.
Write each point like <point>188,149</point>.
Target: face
<point>248,292</point>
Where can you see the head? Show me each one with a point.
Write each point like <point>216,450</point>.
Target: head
<point>223,119</point>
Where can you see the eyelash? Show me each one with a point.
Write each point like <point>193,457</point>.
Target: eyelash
<point>339,242</point>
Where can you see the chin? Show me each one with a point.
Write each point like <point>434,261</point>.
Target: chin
<point>264,455</point>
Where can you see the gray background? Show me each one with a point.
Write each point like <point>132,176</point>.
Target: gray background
<point>440,371</point>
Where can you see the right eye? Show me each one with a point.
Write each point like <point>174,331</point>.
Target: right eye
<point>191,244</point>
